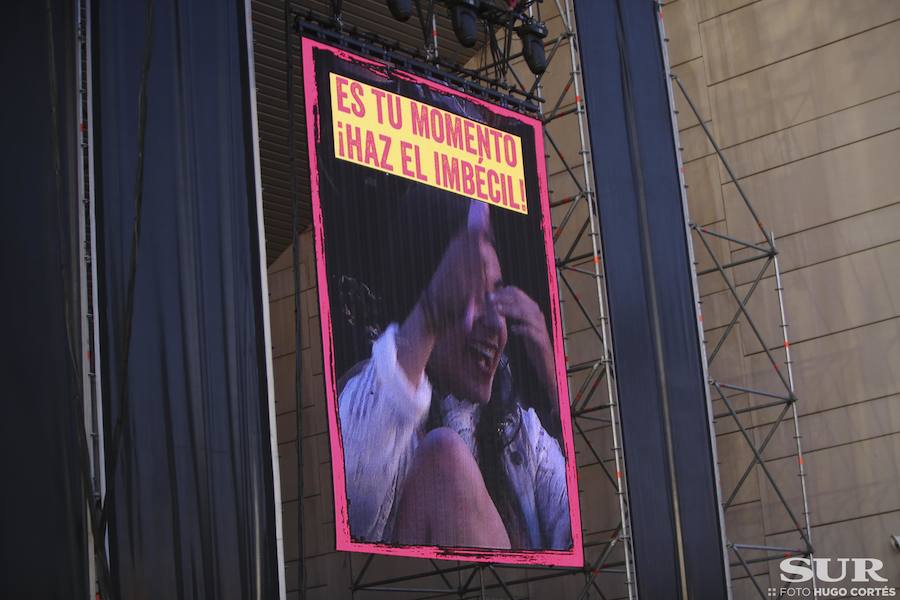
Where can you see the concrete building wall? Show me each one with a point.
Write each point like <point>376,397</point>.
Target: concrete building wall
<point>804,98</point>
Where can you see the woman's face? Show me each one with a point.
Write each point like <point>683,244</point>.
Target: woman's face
<point>465,357</point>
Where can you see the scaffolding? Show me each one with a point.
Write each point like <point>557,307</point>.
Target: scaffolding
<point>782,399</point>
<point>608,569</point>
<point>607,572</point>
<point>92,444</point>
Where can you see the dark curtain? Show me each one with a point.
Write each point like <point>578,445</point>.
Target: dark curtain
<point>43,532</point>
<point>666,431</point>
<point>190,485</point>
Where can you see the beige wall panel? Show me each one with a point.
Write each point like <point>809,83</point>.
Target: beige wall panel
<point>680,20</point>
<point>694,141</point>
<point>604,512</point>
<point>552,19</point>
<point>724,422</point>
<point>856,538</point>
<point>707,9</point>
<point>720,308</point>
<point>710,283</point>
<point>610,580</point>
<point>312,386</point>
<point>720,249</point>
<point>287,467</point>
<point>839,426</point>
<point>557,75</point>
<point>704,193</point>
<point>742,587</point>
<point>600,439</point>
<point>309,303</point>
<point>844,482</point>
<point>735,447</point>
<point>519,590</point>
<point>282,314</point>
<point>744,523</point>
<point>583,346</point>
<point>850,366</point>
<point>315,453</point>
<point>329,577</point>
<point>827,297</point>
<point>285,384</point>
<point>562,131</point>
<point>315,420</point>
<point>289,527</point>
<point>832,240</point>
<point>813,137</point>
<point>305,332</point>
<point>562,185</point>
<point>819,189</point>
<point>577,381</point>
<point>692,75</point>
<point>286,427</point>
<point>281,283</point>
<point>728,365</point>
<point>772,30</point>
<point>807,86</point>
<point>315,346</point>
<point>284,261</point>
<point>585,288</point>
<point>317,540</point>
<point>568,234</point>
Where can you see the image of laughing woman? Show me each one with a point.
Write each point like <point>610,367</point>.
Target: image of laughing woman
<point>438,449</point>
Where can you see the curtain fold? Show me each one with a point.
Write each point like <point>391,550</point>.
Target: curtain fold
<point>191,504</point>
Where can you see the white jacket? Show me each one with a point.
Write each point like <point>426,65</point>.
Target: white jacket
<point>383,419</point>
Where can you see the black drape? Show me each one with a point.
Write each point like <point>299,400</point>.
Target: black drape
<point>666,431</point>
<point>43,533</point>
<point>189,466</point>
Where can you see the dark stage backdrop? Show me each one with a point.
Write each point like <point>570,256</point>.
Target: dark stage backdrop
<point>666,436</point>
<point>189,457</point>
<point>43,533</point>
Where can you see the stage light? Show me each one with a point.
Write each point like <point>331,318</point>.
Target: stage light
<point>464,17</point>
<point>400,9</point>
<point>532,34</point>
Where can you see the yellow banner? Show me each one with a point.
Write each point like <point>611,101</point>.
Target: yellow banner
<point>395,134</point>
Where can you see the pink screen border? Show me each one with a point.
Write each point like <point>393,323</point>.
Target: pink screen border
<point>343,541</point>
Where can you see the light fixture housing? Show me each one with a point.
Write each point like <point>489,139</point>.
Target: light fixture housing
<point>532,34</point>
<point>401,10</point>
<point>464,18</point>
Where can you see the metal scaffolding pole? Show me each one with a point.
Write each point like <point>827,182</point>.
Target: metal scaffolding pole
<point>92,406</point>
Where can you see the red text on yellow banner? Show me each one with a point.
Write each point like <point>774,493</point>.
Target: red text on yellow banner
<point>398,135</point>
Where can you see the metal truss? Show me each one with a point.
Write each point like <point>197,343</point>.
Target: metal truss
<point>488,81</point>
<point>91,444</point>
<point>763,257</point>
<point>607,572</point>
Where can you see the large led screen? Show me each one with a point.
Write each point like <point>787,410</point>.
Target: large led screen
<point>444,365</point>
